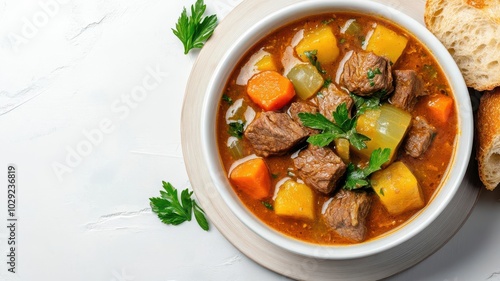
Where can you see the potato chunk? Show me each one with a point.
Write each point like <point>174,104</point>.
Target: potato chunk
<point>266,63</point>
<point>397,189</point>
<point>295,200</point>
<point>387,43</point>
<point>322,40</point>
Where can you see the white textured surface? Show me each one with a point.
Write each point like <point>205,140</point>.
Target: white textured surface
<point>97,87</point>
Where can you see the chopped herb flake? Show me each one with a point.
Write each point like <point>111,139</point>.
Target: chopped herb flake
<point>327,82</point>
<point>236,129</point>
<point>227,99</point>
<point>313,58</point>
<point>267,205</point>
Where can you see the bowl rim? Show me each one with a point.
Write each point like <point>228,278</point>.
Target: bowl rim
<point>286,15</point>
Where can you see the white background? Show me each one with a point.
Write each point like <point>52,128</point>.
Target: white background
<point>90,102</point>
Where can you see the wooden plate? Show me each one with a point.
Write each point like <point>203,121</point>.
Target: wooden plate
<point>255,247</point>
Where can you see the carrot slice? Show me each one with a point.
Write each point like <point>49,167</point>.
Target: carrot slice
<point>440,107</point>
<point>252,177</point>
<point>270,90</point>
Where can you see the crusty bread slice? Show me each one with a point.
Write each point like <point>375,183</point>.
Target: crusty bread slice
<point>470,30</point>
<point>488,129</point>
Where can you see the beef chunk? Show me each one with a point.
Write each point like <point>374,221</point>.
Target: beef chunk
<point>366,73</point>
<point>347,213</point>
<point>298,107</point>
<point>408,87</point>
<point>330,98</point>
<point>274,133</point>
<point>319,167</point>
<point>419,137</point>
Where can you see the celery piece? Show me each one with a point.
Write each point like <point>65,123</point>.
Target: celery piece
<point>306,80</point>
<point>385,126</point>
<point>235,147</point>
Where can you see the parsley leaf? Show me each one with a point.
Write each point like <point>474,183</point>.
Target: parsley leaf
<point>172,211</point>
<point>236,129</point>
<point>371,75</point>
<point>313,59</point>
<point>342,127</point>
<point>327,83</point>
<point>227,99</point>
<point>199,215</point>
<point>358,178</point>
<point>267,205</point>
<point>362,104</point>
<point>328,21</point>
<point>193,31</point>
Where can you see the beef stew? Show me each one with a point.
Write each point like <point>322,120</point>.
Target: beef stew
<point>323,192</point>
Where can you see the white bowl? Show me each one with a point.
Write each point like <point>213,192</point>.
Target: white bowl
<point>426,216</point>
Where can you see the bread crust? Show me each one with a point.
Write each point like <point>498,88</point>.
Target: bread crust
<point>488,133</point>
<point>469,30</point>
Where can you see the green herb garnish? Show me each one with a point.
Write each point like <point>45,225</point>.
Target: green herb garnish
<point>313,58</point>
<point>358,178</point>
<point>342,40</point>
<point>227,99</point>
<point>236,129</point>
<point>267,205</point>
<point>193,31</point>
<point>327,82</point>
<point>364,103</point>
<point>342,127</point>
<point>371,75</point>
<point>172,211</point>
<point>328,21</point>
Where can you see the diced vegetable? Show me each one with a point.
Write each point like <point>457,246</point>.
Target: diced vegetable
<point>342,149</point>
<point>235,147</point>
<point>440,107</point>
<point>322,40</point>
<point>397,189</point>
<point>270,90</point>
<point>354,28</point>
<point>252,177</point>
<point>385,126</point>
<point>295,200</point>
<point>387,43</point>
<point>306,80</point>
<point>266,63</point>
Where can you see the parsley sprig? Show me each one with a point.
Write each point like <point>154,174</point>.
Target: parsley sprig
<point>313,59</point>
<point>172,211</point>
<point>364,103</point>
<point>358,178</point>
<point>342,127</point>
<point>193,31</point>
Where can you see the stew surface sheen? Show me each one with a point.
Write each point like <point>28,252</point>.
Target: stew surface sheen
<point>428,169</point>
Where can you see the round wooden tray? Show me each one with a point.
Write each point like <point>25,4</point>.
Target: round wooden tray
<point>255,247</point>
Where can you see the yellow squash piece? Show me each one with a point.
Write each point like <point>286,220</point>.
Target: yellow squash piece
<point>322,40</point>
<point>397,189</point>
<point>387,43</point>
<point>295,200</point>
<point>266,63</point>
